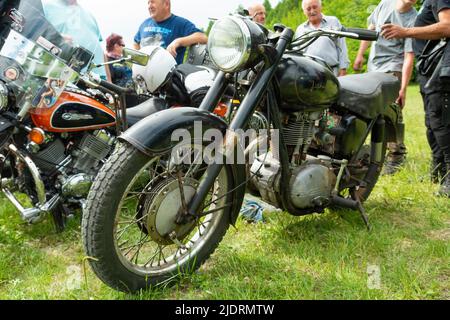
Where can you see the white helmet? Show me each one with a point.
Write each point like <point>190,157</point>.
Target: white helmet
<point>158,68</point>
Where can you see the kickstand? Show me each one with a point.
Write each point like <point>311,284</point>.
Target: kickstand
<point>361,210</point>
<point>364,216</point>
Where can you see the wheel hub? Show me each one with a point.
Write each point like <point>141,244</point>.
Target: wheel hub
<point>162,207</point>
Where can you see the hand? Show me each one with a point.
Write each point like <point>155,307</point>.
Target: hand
<point>172,48</point>
<point>67,38</point>
<point>358,64</point>
<point>401,100</point>
<point>342,72</point>
<point>392,31</point>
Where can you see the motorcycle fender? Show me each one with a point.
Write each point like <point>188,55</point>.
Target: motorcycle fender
<point>395,128</point>
<point>153,136</point>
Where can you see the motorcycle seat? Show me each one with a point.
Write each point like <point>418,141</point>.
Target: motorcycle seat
<point>368,94</point>
<point>145,109</point>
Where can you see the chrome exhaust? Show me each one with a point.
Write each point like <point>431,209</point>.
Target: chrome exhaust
<point>36,214</point>
<point>39,184</point>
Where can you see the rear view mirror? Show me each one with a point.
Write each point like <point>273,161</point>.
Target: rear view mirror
<point>136,57</point>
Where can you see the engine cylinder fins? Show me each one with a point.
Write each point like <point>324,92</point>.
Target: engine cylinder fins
<point>51,156</point>
<point>91,151</point>
<point>300,128</point>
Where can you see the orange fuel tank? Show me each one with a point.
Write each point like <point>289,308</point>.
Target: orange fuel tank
<point>73,112</point>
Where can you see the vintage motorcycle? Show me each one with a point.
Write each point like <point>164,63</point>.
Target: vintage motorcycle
<point>151,215</point>
<point>58,121</point>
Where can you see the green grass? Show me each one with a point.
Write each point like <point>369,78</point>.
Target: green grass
<point>315,257</point>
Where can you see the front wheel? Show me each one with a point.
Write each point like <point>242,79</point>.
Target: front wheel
<point>130,227</point>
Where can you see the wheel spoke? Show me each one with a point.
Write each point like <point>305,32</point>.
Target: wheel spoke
<point>122,231</point>
<point>205,213</point>
<point>140,244</point>
<point>140,248</point>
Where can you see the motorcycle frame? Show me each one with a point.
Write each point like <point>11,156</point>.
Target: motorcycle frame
<point>150,135</point>
<point>248,106</point>
<point>265,86</point>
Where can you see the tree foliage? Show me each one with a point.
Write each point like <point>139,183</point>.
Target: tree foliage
<point>351,13</point>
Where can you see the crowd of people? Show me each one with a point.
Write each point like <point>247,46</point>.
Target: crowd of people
<point>405,34</point>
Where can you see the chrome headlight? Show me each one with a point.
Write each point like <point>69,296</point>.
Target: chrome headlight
<point>233,43</point>
<point>3,96</point>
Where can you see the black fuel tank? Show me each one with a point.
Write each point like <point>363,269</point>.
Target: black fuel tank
<point>306,84</point>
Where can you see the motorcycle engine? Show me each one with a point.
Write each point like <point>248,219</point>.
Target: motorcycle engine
<point>92,149</point>
<point>76,171</point>
<point>312,180</point>
<point>311,183</point>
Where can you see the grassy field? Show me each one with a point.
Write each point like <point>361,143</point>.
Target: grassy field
<point>327,256</point>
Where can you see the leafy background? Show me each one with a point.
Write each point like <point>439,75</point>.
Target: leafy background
<point>351,13</point>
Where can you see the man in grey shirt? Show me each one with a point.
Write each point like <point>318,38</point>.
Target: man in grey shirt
<point>332,51</point>
<point>391,56</point>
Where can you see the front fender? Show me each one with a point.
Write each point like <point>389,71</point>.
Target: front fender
<point>153,136</point>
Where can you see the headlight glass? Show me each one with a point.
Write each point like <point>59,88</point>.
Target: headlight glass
<point>3,96</point>
<point>229,44</point>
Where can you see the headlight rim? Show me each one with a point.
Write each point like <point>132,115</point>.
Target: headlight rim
<point>247,36</point>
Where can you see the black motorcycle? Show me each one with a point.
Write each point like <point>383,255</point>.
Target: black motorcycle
<point>160,207</point>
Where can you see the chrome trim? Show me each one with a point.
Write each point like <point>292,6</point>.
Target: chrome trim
<point>92,127</point>
<point>35,214</point>
<point>39,184</point>
<point>247,41</point>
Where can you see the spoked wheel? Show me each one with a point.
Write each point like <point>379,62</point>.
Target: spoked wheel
<point>132,227</point>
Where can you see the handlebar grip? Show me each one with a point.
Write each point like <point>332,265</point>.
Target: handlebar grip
<point>363,34</point>
<point>115,88</point>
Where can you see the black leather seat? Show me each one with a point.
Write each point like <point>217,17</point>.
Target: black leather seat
<point>145,109</point>
<point>368,94</point>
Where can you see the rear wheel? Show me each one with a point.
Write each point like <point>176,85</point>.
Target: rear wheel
<point>365,171</point>
<point>129,223</point>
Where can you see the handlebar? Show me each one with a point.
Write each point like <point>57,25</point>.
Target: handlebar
<point>362,34</point>
<point>115,88</point>
<point>94,81</point>
<point>308,38</point>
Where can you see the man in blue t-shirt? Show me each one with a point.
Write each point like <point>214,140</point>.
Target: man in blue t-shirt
<point>167,30</point>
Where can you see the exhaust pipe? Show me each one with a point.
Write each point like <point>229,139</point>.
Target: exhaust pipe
<point>36,214</point>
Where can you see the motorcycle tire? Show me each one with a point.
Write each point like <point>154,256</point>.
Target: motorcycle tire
<point>371,177</point>
<point>100,218</point>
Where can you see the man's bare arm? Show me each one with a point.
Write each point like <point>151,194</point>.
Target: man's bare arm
<point>432,32</point>
<point>198,37</point>
<point>359,61</point>
<point>408,66</point>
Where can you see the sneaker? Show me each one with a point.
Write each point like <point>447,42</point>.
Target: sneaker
<point>393,163</point>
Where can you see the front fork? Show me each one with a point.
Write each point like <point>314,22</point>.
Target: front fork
<point>245,111</point>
